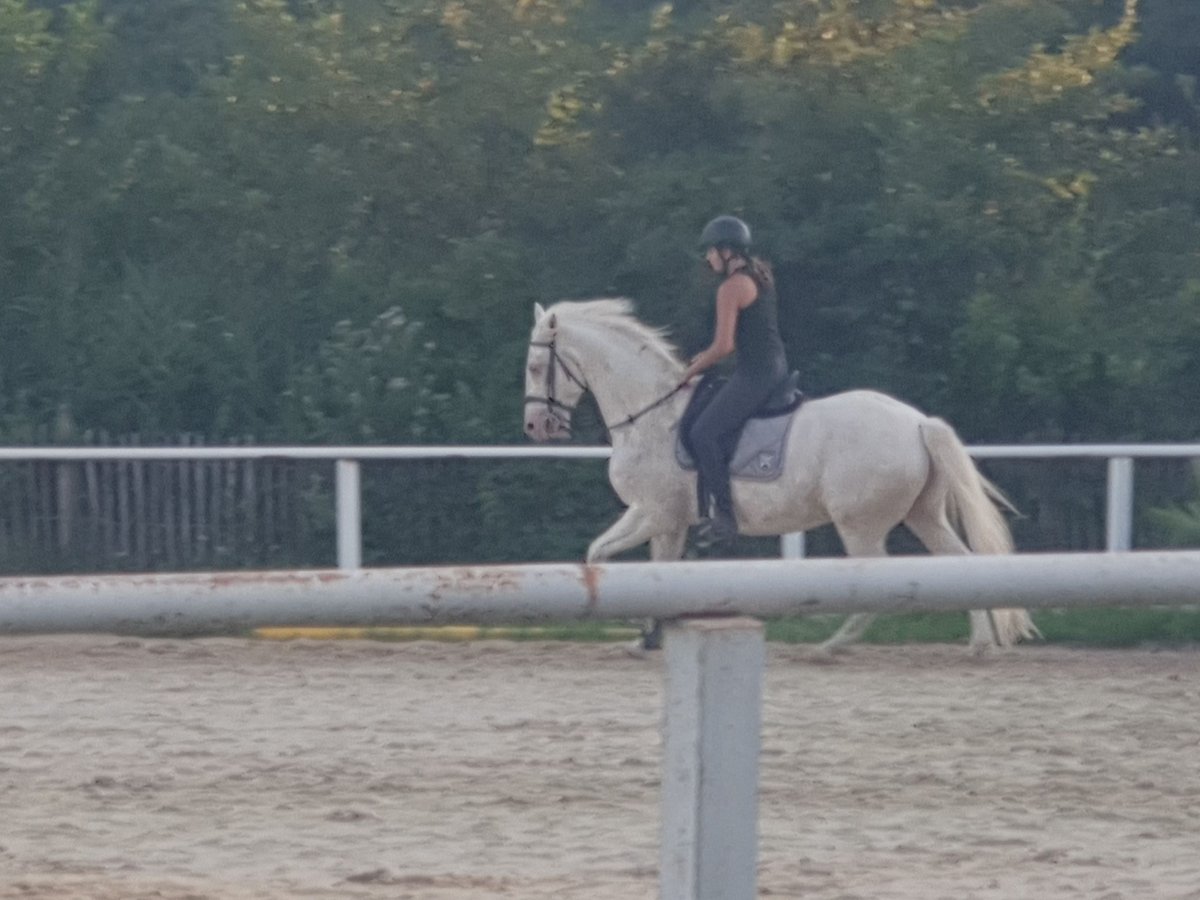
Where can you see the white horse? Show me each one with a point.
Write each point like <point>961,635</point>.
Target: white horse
<point>862,460</point>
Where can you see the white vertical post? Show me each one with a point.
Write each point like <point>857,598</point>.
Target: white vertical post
<point>348,500</point>
<point>711,740</point>
<point>1119,510</point>
<point>791,545</point>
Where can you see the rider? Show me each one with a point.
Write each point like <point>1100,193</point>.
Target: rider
<point>746,325</point>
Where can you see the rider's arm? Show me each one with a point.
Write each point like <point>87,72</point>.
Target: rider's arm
<point>734,295</point>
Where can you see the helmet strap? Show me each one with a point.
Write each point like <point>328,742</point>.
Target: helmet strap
<point>726,271</point>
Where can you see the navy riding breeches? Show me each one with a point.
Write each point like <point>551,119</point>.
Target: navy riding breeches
<point>713,436</point>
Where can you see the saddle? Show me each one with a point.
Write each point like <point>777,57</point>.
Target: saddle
<point>756,452</point>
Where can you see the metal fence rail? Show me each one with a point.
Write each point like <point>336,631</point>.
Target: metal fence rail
<point>715,657</point>
<point>348,491</point>
<point>203,602</point>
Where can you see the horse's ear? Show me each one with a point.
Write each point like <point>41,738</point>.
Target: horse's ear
<point>538,312</point>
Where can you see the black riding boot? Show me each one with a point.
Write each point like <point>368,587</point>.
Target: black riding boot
<point>719,527</point>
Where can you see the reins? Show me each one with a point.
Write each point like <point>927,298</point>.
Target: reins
<point>633,417</point>
<point>553,403</point>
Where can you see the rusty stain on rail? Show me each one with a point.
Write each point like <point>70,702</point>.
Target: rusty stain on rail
<point>210,580</point>
<point>490,580</point>
<point>591,584</point>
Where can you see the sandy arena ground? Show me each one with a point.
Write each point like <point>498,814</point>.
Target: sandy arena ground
<point>183,770</point>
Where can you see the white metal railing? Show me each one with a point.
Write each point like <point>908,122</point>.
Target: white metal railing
<point>348,491</point>
<point>201,602</point>
<point>715,657</point>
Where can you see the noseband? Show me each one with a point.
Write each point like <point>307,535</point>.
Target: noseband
<point>553,404</point>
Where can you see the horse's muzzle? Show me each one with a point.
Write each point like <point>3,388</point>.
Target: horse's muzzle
<point>543,425</point>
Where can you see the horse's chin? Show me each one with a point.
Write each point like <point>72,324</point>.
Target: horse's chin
<point>547,429</point>
<point>540,436</point>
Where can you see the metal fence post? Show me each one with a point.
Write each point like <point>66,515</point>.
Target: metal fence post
<point>1119,512</point>
<point>348,500</point>
<point>791,545</point>
<point>711,741</point>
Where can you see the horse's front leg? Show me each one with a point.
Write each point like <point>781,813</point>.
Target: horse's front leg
<point>664,547</point>
<point>667,546</point>
<point>633,528</point>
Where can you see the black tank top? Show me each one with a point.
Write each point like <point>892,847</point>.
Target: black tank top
<point>760,351</point>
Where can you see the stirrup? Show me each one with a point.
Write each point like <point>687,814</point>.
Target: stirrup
<point>716,531</point>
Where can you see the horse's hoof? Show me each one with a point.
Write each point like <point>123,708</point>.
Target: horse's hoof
<point>829,651</point>
<point>637,649</point>
<point>652,638</point>
<point>825,656</point>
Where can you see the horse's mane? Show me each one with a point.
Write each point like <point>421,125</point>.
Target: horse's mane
<point>616,314</point>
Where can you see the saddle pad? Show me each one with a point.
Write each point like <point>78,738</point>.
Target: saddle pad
<point>759,452</point>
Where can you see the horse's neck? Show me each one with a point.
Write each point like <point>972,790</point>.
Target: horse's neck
<point>626,377</point>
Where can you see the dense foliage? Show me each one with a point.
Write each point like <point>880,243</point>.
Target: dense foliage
<point>328,220</point>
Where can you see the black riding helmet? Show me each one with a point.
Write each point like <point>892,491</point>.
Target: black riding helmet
<point>726,231</point>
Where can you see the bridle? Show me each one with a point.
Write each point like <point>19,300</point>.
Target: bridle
<point>553,404</point>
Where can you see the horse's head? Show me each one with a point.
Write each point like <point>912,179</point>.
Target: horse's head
<point>552,384</point>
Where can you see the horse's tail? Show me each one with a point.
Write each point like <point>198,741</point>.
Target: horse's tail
<point>973,506</point>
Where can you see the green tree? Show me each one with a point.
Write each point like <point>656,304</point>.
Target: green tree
<point>44,61</point>
<point>209,211</point>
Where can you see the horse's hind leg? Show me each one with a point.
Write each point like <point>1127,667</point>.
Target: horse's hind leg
<point>853,628</point>
<point>857,543</point>
<point>934,531</point>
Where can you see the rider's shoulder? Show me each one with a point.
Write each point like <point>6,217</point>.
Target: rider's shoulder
<point>740,285</point>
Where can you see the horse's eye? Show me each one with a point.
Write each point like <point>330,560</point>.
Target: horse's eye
<point>535,370</point>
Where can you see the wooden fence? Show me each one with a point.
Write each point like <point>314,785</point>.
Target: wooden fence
<point>135,515</point>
